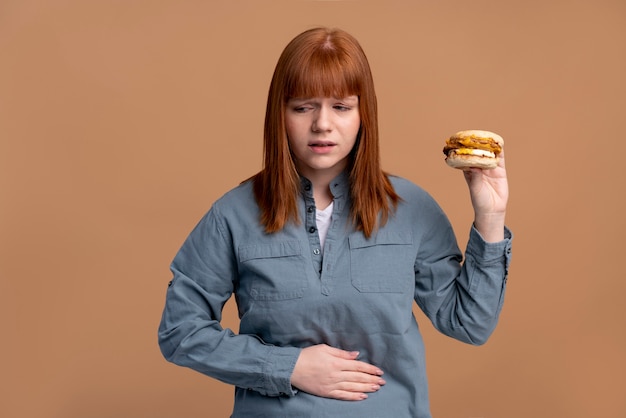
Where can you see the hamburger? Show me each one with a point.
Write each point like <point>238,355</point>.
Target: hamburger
<point>473,148</point>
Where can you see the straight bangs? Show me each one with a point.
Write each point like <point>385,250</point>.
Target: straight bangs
<point>323,73</point>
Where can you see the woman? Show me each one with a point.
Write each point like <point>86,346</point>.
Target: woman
<point>325,254</point>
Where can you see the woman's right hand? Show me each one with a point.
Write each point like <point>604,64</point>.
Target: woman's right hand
<point>333,373</point>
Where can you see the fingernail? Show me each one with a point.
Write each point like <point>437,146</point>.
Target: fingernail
<point>375,387</point>
<point>381,382</point>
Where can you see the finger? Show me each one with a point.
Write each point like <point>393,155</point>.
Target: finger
<point>358,387</point>
<point>472,174</point>
<point>353,391</point>
<point>347,396</point>
<point>337,352</point>
<point>363,367</point>
<point>362,378</point>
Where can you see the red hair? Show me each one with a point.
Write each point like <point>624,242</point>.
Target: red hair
<point>322,62</point>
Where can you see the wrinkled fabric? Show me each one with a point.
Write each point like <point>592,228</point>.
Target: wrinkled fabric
<point>357,295</point>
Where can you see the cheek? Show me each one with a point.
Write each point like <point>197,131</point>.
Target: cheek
<point>355,128</point>
<point>293,138</point>
<point>293,130</point>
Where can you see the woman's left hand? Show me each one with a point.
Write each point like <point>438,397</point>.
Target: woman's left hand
<point>489,192</point>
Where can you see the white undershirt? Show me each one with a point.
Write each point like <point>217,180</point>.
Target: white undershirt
<point>322,218</point>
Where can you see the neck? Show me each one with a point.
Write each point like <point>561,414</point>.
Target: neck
<point>321,188</point>
<point>322,197</point>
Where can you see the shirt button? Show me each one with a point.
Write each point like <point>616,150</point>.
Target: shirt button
<point>312,229</point>
<point>310,209</point>
<point>307,187</point>
<point>316,251</point>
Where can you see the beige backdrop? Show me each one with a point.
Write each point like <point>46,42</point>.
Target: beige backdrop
<point>121,121</point>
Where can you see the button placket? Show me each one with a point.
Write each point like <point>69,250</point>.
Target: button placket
<point>311,229</point>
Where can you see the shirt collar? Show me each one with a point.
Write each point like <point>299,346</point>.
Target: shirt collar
<point>339,186</point>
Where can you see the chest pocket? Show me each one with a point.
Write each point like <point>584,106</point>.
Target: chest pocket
<point>383,263</point>
<point>275,271</point>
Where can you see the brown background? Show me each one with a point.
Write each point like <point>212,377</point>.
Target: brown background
<point>121,121</point>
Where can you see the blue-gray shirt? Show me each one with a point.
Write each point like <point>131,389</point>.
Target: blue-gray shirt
<point>356,295</point>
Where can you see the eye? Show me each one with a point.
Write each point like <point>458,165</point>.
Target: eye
<point>301,109</point>
<point>346,104</point>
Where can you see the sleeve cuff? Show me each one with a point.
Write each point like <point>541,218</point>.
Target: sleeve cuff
<point>489,251</point>
<point>280,364</point>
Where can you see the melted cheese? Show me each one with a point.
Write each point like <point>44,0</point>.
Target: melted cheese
<point>474,141</point>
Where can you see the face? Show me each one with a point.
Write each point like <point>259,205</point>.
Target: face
<point>322,132</point>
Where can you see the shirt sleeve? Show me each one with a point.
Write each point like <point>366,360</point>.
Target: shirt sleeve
<point>463,299</point>
<point>190,335</point>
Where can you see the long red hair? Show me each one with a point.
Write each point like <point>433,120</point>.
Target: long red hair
<point>322,62</point>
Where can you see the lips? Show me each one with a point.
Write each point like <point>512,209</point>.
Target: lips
<point>321,144</point>
<point>322,147</point>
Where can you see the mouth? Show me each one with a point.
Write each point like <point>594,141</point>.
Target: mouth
<point>321,144</point>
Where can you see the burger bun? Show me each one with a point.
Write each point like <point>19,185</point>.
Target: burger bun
<point>473,148</point>
<point>463,161</point>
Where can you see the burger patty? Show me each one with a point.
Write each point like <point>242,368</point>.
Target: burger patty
<point>472,142</point>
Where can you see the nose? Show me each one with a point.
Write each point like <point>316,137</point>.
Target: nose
<point>322,120</point>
